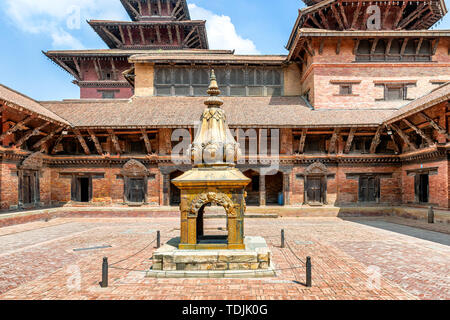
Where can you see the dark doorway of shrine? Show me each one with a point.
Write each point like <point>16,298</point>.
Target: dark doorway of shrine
<point>253,188</point>
<point>315,190</point>
<point>136,191</point>
<point>274,189</point>
<point>423,188</point>
<point>82,189</point>
<point>175,194</point>
<point>212,224</point>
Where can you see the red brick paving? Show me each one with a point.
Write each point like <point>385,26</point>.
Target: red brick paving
<point>37,261</point>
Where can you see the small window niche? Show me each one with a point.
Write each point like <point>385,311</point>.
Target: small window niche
<point>345,89</point>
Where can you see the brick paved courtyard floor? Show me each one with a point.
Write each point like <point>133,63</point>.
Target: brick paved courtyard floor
<point>38,261</point>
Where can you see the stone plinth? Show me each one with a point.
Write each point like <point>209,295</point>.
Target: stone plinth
<point>253,261</point>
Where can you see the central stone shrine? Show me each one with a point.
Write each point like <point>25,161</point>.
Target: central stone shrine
<point>214,179</point>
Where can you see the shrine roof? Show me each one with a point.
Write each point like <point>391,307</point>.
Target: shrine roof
<point>131,52</point>
<point>438,95</point>
<point>173,112</point>
<point>21,102</point>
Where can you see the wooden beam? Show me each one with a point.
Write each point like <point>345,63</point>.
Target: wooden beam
<point>400,14</point>
<point>149,6</point>
<point>141,32</point>
<point>394,143</point>
<point>77,66</point>
<point>337,16</point>
<point>176,8</point>
<point>159,7</point>
<point>437,127</point>
<point>94,138</point>
<point>404,137</point>
<point>405,42</point>
<point>419,45</point>
<point>97,70</point>
<point>189,35</point>
<point>67,68</point>
<point>47,138</point>
<point>355,48</point>
<point>112,36</point>
<point>303,140</point>
<point>324,19</point>
<point>140,7</point>
<point>115,141</point>
<point>127,2</point>
<point>130,35</point>
<point>148,145</point>
<point>82,141</point>
<point>29,134</point>
<point>350,138</point>
<point>413,15</point>
<point>315,21</point>
<point>122,35</point>
<point>419,132</point>
<point>57,142</point>
<point>114,69</point>
<point>386,15</point>
<point>435,45</point>
<point>16,127</point>
<point>177,28</point>
<point>169,31</point>
<point>356,15</point>
<point>376,140</point>
<point>333,141</point>
<point>338,46</point>
<point>344,16</point>
<point>374,45</point>
<point>388,46</point>
<point>158,34</point>
<point>309,48</point>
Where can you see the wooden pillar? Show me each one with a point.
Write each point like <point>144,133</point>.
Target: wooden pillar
<point>166,189</point>
<point>262,190</point>
<point>286,188</point>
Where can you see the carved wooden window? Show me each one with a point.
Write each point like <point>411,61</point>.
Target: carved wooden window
<point>369,188</point>
<point>233,81</point>
<point>108,94</point>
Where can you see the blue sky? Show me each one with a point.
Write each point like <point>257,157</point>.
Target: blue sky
<point>30,26</point>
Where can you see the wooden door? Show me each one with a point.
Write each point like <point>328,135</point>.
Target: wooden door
<point>314,190</point>
<point>368,189</point>
<point>136,191</point>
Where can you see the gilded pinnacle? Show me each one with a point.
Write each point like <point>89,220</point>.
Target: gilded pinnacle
<point>213,101</point>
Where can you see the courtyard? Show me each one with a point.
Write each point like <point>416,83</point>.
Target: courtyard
<point>352,258</point>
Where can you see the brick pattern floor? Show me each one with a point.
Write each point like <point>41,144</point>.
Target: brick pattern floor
<point>352,259</point>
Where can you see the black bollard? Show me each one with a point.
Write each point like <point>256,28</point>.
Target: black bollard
<point>430,215</point>
<point>282,238</point>
<point>158,239</point>
<point>104,283</point>
<point>308,272</point>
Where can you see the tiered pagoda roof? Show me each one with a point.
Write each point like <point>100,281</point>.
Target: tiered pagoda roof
<point>353,15</point>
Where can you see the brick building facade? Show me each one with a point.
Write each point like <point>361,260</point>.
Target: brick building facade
<point>358,114</point>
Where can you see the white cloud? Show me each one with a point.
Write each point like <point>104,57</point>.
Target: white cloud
<point>222,32</point>
<point>58,19</point>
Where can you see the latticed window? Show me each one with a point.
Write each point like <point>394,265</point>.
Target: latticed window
<point>233,81</point>
<point>395,50</point>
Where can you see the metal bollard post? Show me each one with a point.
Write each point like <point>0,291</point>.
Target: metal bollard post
<point>308,272</point>
<point>430,215</point>
<point>282,238</point>
<point>158,239</point>
<point>104,283</point>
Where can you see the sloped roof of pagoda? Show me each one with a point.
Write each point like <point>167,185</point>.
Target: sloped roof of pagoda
<point>136,15</point>
<point>430,99</point>
<point>109,30</point>
<point>176,112</point>
<point>435,11</point>
<point>21,102</point>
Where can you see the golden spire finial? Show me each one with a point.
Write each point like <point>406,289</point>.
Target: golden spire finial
<point>213,101</point>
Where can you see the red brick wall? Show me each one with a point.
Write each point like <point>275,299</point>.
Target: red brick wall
<point>93,93</point>
<point>9,195</point>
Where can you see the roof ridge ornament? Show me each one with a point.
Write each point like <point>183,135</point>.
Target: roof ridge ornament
<point>213,90</point>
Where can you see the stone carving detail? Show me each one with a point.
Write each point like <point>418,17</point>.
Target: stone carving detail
<point>34,162</point>
<point>316,168</point>
<point>134,168</point>
<point>213,197</point>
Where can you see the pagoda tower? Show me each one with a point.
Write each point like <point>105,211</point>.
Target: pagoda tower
<point>154,25</point>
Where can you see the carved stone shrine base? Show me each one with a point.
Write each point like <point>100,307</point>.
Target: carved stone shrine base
<point>253,262</point>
